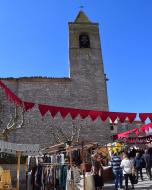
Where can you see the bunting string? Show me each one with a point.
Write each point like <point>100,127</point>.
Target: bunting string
<point>73,112</point>
<point>11,96</point>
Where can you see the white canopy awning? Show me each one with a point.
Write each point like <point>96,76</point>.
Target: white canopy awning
<point>26,149</point>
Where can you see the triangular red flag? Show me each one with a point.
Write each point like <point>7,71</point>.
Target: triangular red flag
<point>143,116</point>
<point>150,116</point>
<point>84,113</point>
<point>122,116</point>
<point>73,113</point>
<point>28,105</point>
<point>43,109</point>
<point>113,116</point>
<point>131,117</point>
<point>53,110</point>
<point>64,112</point>
<point>94,115</point>
<point>104,115</point>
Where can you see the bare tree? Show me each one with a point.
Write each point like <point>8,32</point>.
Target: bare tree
<point>16,122</point>
<point>61,136</point>
<point>57,140</point>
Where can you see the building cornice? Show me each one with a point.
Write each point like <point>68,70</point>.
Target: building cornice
<point>37,79</point>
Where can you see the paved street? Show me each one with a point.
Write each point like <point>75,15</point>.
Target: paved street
<point>142,185</point>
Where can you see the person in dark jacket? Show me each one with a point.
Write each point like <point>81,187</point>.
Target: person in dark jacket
<point>148,163</point>
<point>138,162</point>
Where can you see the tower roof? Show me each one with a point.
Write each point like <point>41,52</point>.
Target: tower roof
<point>82,18</point>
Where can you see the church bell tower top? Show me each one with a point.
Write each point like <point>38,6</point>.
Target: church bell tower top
<point>82,18</point>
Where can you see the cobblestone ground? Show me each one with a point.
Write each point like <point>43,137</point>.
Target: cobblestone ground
<point>142,185</point>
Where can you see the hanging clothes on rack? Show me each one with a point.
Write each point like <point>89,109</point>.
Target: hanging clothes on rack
<point>48,176</point>
<point>73,179</point>
<point>39,178</point>
<point>76,157</point>
<point>63,176</point>
<point>60,158</point>
<point>47,158</point>
<point>32,161</point>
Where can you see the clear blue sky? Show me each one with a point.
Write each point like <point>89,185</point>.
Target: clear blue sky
<point>34,42</point>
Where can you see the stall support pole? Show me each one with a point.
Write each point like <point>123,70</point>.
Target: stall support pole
<point>83,167</point>
<point>27,188</point>
<point>68,149</point>
<point>72,177</point>
<point>70,153</point>
<point>18,169</point>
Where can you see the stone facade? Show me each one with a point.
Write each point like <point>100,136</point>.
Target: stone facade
<point>118,127</point>
<point>85,89</point>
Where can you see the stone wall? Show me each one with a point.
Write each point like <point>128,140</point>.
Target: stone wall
<point>85,89</point>
<point>38,130</point>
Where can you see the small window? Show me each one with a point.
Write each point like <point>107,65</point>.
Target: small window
<point>111,127</point>
<point>84,41</point>
<point>124,127</point>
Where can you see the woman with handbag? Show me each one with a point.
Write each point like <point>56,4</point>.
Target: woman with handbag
<point>127,167</point>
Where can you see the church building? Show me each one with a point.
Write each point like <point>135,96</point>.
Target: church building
<point>85,88</point>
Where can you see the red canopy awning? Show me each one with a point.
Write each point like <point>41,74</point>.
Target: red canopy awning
<point>136,132</point>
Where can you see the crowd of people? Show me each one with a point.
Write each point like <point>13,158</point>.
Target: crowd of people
<point>130,165</point>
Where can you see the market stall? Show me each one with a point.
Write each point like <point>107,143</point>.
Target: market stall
<point>18,150</point>
<point>79,159</point>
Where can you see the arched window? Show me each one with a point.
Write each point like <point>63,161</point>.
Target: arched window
<point>84,41</point>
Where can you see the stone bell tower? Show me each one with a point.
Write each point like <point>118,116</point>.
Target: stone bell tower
<point>86,65</point>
